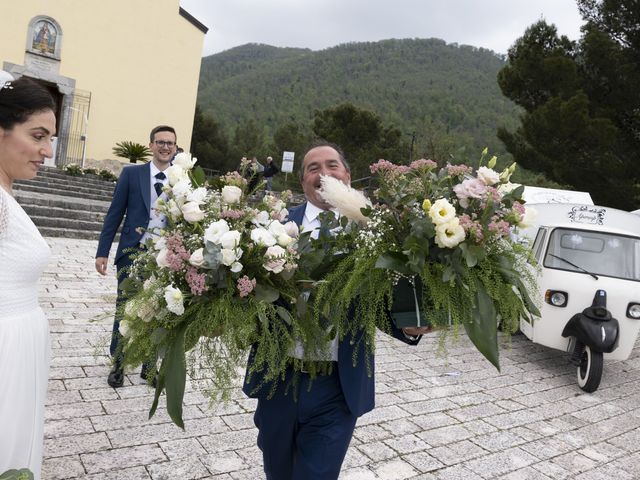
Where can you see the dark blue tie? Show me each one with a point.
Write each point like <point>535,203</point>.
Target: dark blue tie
<point>158,185</point>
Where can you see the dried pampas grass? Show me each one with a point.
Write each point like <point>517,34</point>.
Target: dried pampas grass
<point>348,201</point>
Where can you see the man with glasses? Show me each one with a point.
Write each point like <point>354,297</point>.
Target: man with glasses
<point>137,190</point>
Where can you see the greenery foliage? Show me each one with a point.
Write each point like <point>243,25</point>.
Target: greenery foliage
<point>581,125</point>
<point>132,151</point>
<point>426,86</point>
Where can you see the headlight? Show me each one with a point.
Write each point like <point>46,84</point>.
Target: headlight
<point>633,311</point>
<point>556,298</point>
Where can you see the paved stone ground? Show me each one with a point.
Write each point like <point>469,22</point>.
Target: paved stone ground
<point>436,418</point>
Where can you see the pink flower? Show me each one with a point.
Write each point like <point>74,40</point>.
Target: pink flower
<point>246,285</point>
<point>472,228</point>
<point>470,188</point>
<point>382,165</point>
<point>233,214</point>
<point>456,170</point>
<point>423,163</point>
<point>196,281</point>
<point>499,227</point>
<point>177,254</point>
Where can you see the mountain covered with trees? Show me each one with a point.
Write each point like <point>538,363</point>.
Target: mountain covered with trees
<point>444,93</point>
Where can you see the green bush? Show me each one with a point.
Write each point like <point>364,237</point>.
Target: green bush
<point>73,170</point>
<point>107,175</point>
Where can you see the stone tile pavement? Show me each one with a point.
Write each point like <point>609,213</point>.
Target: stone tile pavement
<point>437,417</point>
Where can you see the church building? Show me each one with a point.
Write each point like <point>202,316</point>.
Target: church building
<point>116,68</point>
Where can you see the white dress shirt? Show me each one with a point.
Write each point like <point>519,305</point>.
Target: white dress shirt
<point>156,221</point>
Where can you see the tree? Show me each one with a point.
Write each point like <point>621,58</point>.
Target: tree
<point>209,143</point>
<point>582,103</point>
<point>290,138</point>
<point>361,134</point>
<point>132,151</point>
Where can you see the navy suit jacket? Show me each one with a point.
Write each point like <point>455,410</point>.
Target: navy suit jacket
<point>357,386</point>
<point>131,201</point>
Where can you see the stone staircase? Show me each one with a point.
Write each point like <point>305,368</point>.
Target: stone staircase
<point>65,206</point>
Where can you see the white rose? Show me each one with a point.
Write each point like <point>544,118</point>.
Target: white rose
<point>284,240</point>
<point>261,218</point>
<point>231,194</point>
<point>198,195</point>
<point>159,243</point>
<point>275,260</point>
<point>262,236</point>
<point>505,188</point>
<point>175,300</point>
<point>123,327</point>
<point>161,258</point>
<point>276,228</point>
<point>442,211</point>
<point>181,189</point>
<point>228,256</point>
<point>184,160</point>
<point>450,234</point>
<point>292,229</point>
<point>174,210</point>
<point>176,173</point>
<point>230,239</point>
<point>282,215</point>
<point>530,215</point>
<point>236,267</point>
<point>192,212</point>
<point>197,258</point>
<point>215,231</point>
<point>488,176</point>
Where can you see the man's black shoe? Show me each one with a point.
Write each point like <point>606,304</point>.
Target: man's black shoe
<point>146,371</point>
<point>116,376</point>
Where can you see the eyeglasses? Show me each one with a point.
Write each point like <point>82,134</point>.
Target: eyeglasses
<point>162,143</point>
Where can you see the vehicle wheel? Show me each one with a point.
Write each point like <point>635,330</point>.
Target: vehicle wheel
<point>590,370</point>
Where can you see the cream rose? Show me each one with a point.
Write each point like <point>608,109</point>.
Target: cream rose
<point>275,259</point>
<point>192,213</point>
<point>197,258</point>
<point>231,194</point>
<point>488,176</point>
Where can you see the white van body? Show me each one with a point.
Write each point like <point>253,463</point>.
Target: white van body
<point>601,240</point>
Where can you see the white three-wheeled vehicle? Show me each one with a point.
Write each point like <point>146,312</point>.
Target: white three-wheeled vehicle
<point>589,276</point>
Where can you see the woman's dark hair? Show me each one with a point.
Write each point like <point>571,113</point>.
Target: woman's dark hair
<point>22,98</point>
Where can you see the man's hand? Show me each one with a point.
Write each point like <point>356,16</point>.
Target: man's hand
<point>101,265</point>
<point>416,331</point>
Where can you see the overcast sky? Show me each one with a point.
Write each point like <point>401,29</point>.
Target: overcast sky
<point>319,24</point>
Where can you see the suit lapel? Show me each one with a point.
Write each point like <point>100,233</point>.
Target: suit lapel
<point>145,185</point>
<point>296,214</point>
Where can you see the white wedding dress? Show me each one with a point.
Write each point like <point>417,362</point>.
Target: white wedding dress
<point>24,339</point>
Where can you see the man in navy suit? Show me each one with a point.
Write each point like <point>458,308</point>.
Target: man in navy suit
<point>306,438</point>
<point>136,192</point>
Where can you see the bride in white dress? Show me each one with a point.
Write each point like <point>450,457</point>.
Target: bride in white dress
<point>27,123</point>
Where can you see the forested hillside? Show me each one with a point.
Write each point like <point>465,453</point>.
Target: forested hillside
<point>441,92</point>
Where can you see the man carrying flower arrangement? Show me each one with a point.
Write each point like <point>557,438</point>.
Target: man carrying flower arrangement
<point>305,434</point>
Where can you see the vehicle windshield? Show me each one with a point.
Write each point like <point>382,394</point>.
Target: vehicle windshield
<point>588,252</point>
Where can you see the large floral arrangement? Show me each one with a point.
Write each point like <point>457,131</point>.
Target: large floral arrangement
<point>216,277</point>
<point>445,232</point>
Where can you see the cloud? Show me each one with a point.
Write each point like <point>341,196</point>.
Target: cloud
<point>319,24</point>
